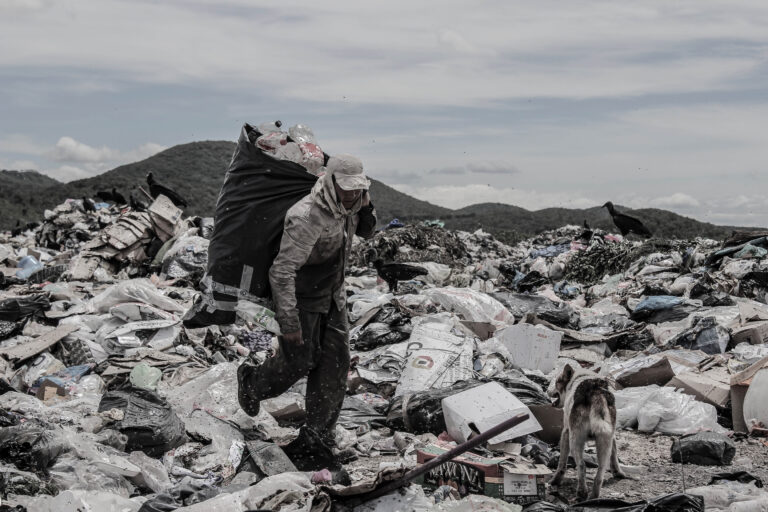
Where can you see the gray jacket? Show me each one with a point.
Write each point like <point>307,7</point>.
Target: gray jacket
<point>308,272</point>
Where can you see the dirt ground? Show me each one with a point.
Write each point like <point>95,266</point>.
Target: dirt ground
<point>654,474</point>
<point>646,457</point>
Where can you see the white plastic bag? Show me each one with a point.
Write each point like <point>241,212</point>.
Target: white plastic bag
<point>133,290</point>
<point>671,412</point>
<point>471,305</point>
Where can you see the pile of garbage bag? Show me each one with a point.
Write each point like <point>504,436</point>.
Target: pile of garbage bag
<point>109,401</point>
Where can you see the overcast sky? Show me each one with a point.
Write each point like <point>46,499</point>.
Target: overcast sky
<point>536,103</point>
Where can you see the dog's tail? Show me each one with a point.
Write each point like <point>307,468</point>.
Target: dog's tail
<point>602,413</point>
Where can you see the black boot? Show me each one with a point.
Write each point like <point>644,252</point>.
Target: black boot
<point>247,394</point>
<point>308,452</point>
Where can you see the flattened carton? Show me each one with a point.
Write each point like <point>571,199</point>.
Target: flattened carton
<point>520,481</point>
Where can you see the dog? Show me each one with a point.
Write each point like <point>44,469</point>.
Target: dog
<point>589,412</point>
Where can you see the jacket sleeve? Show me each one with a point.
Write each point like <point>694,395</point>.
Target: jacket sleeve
<point>366,225</point>
<point>299,238</point>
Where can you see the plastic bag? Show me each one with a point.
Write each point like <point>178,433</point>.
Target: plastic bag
<point>423,411</point>
<point>520,304</point>
<point>671,412</point>
<point>70,473</point>
<point>628,403</point>
<point>379,334</point>
<point>149,422</point>
<point>257,192</point>
<point>187,258</point>
<point>470,305</point>
<point>704,449</point>
<point>723,495</point>
<point>79,501</point>
<point>29,446</point>
<point>705,334</point>
<point>436,357</point>
<point>133,290</point>
<point>18,308</point>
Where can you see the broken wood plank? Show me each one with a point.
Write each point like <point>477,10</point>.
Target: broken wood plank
<point>39,344</point>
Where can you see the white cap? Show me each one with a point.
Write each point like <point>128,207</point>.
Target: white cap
<point>348,171</point>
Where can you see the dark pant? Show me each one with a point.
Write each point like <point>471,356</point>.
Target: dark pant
<point>323,358</point>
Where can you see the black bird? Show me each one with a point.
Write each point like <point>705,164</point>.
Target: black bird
<point>587,234</point>
<point>155,189</point>
<point>16,231</point>
<point>89,205</point>
<point>117,197</point>
<point>394,272</point>
<point>104,195</point>
<point>627,224</point>
<point>136,205</point>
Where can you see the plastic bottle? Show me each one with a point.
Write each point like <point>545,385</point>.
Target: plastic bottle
<point>28,265</point>
<point>302,133</point>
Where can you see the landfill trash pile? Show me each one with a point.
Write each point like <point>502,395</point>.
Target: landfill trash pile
<point>110,403</point>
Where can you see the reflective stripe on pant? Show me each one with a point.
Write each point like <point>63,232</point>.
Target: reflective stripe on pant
<point>323,358</point>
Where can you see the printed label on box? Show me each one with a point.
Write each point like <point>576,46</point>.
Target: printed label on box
<point>519,485</point>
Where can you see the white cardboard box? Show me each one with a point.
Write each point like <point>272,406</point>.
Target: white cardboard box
<point>533,347</point>
<point>482,408</point>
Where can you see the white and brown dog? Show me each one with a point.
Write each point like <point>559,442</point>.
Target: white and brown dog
<point>589,412</point>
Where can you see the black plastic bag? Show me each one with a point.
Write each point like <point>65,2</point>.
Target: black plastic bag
<point>257,192</point>
<point>544,506</point>
<point>29,446</point>
<point>676,502</point>
<point>182,495</point>
<point>17,308</point>
<point>264,458</point>
<point>704,449</point>
<point>356,413</point>
<point>424,411</point>
<point>736,476</point>
<point>520,304</point>
<point>149,422</point>
<point>380,334</point>
<point>522,387</point>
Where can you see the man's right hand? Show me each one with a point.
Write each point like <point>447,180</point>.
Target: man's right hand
<point>293,337</point>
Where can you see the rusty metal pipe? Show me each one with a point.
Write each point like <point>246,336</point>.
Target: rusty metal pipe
<point>445,457</point>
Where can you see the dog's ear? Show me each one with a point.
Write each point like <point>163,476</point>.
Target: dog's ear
<point>567,373</point>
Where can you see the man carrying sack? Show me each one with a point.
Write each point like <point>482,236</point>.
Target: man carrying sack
<point>307,282</point>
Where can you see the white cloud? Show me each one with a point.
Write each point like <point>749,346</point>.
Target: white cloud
<point>505,50</point>
<point>676,200</point>
<point>68,149</point>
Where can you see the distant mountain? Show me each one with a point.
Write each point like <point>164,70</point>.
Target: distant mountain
<point>196,170</point>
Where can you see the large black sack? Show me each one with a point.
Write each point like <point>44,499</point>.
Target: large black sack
<point>704,449</point>
<point>257,192</point>
<point>149,422</point>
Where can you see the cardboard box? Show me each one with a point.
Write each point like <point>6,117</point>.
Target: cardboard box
<point>483,407</point>
<point>755,333</point>
<point>551,420</point>
<point>739,385</point>
<point>646,370</point>
<point>514,481</point>
<point>534,347</point>
<point>165,217</point>
<point>712,387</point>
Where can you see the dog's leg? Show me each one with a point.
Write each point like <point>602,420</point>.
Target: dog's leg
<point>578,440</point>
<point>604,442</point>
<point>617,472</point>
<point>561,465</point>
